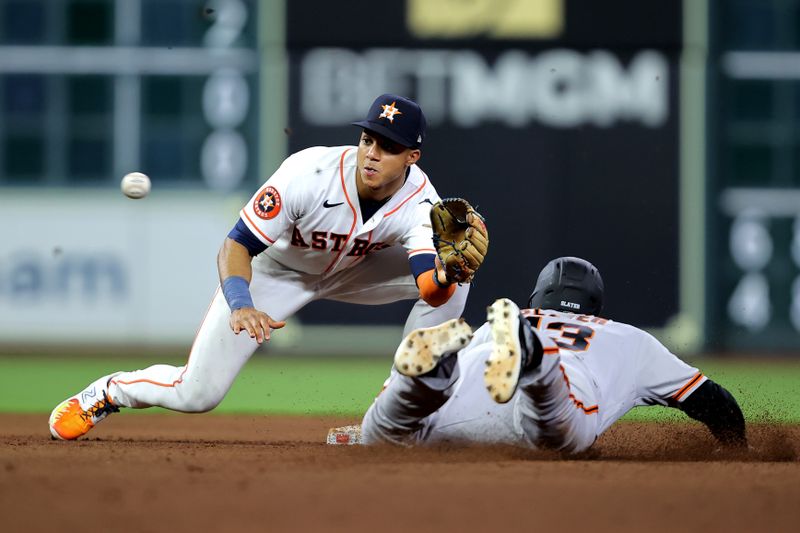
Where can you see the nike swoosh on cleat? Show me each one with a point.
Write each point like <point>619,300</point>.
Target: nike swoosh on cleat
<point>326,204</point>
<point>88,394</point>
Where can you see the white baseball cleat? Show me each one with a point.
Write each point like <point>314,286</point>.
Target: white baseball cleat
<point>509,354</point>
<point>76,415</point>
<point>421,350</point>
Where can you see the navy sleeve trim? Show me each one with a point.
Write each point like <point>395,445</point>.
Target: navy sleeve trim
<point>242,234</point>
<point>421,263</point>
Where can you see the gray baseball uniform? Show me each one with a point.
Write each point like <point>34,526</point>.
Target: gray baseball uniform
<point>593,372</point>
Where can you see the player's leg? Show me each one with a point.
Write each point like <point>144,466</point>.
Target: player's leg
<point>423,315</point>
<point>426,364</point>
<point>218,354</point>
<point>384,277</point>
<point>216,357</point>
<point>554,407</point>
<point>215,360</point>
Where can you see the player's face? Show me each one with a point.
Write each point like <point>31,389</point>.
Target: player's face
<point>382,165</point>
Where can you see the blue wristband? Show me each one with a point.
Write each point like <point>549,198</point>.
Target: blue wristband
<point>237,292</point>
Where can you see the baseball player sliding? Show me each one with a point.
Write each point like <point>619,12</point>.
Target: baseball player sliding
<point>557,375</point>
<point>351,224</point>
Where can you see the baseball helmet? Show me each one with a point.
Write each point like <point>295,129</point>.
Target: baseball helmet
<point>569,284</point>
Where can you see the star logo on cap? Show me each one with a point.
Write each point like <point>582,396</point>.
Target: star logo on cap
<point>389,111</point>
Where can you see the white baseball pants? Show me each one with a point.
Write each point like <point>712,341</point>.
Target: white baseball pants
<point>218,354</point>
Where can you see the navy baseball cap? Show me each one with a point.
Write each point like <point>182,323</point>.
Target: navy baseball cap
<point>397,118</point>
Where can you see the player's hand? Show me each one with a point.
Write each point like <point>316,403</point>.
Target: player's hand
<point>254,322</point>
<point>441,273</point>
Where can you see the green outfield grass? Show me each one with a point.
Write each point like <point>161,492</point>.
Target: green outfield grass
<point>768,391</point>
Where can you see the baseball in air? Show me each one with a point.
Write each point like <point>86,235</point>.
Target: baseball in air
<point>135,185</point>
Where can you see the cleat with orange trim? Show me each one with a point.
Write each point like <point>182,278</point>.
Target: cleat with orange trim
<point>515,348</point>
<point>76,415</point>
<point>423,348</point>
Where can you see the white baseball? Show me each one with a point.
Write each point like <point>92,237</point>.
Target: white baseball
<point>135,185</point>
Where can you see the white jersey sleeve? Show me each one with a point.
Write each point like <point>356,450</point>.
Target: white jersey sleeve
<point>281,200</point>
<point>662,377</point>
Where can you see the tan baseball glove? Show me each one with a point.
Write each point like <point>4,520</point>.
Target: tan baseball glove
<point>460,238</point>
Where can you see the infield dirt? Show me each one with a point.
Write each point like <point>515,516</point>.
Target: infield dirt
<point>191,473</point>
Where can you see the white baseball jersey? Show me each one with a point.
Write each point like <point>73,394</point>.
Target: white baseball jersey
<point>308,214</point>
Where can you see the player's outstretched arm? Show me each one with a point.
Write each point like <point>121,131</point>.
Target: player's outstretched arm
<point>235,273</point>
<point>715,407</point>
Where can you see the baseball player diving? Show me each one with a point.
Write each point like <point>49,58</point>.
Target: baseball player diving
<point>554,376</point>
<point>359,224</point>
